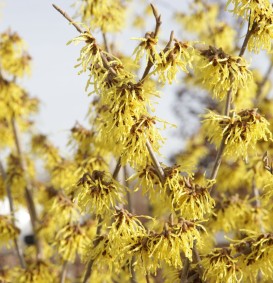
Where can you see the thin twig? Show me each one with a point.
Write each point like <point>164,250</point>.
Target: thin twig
<point>247,37</point>
<point>28,194</point>
<point>147,278</point>
<point>12,213</point>
<point>257,203</point>
<point>155,162</point>
<point>197,259</point>
<point>154,35</point>
<point>95,243</point>
<point>220,152</point>
<point>126,183</point>
<point>151,63</point>
<point>106,46</point>
<point>185,271</point>
<point>68,18</point>
<point>64,272</point>
<point>104,59</point>
<point>117,169</point>
<point>218,160</point>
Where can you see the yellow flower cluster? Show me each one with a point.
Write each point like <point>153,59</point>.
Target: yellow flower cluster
<point>46,150</point>
<point>8,231</point>
<point>110,249</point>
<point>260,13</point>
<point>97,193</point>
<point>178,56</point>
<point>71,240</point>
<point>192,200</point>
<point>235,214</point>
<point>122,105</point>
<point>151,250</point>
<point>256,253</point>
<point>220,266</point>
<point>13,57</point>
<point>107,15</point>
<point>39,272</point>
<point>220,72</point>
<point>14,101</point>
<point>240,132</point>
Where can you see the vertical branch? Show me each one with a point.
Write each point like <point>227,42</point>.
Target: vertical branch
<point>220,152</point>
<point>95,243</point>
<point>105,42</point>
<point>185,271</point>
<point>28,194</point>
<point>155,162</point>
<point>12,213</point>
<point>64,271</point>
<point>117,169</point>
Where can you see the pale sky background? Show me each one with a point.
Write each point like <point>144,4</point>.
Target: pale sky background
<point>54,79</point>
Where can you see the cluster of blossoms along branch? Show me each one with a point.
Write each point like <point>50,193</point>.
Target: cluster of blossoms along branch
<point>87,214</point>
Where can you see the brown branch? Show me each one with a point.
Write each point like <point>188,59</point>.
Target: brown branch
<point>150,64</point>
<point>220,152</point>
<point>185,271</point>
<point>64,272</point>
<point>117,169</point>
<point>106,46</point>
<point>28,194</point>
<point>95,243</point>
<point>247,37</point>
<point>78,28</point>
<point>12,213</point>
<point>155,162</point>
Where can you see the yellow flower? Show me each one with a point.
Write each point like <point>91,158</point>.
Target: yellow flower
<point>179,56</point>
<point>63,174</point>
<point>256,256</point>
<point>46,150</point>
<point>98,192</point>
<point>220,35</point>
<point>150,251</point>
<point>192,199</point>
<point>71,240</point>
<point>8,231</point>
<point>147,46</point>
<point>38,272</point>
<point>220,266</point>
<point>14,101</point>
<point>16,177</point>
<point>241,131</point>
<point>260,22</point>
<point>5,133</point>
<point>235,214</point>
<point>220,72</point>
<point>13,57</point>
<point>108,15</point>
<point>147,179</point>
<point>202,17</point>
